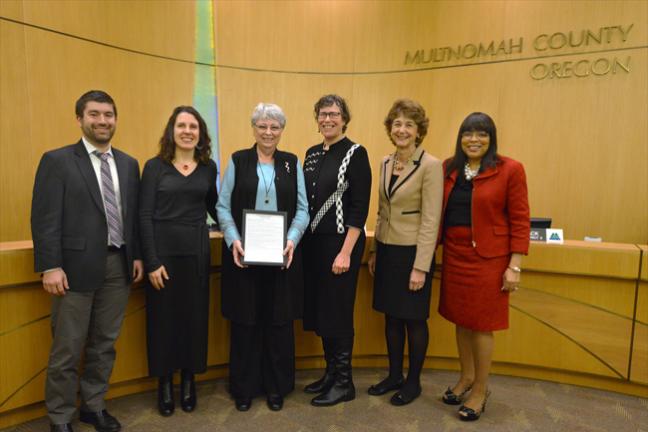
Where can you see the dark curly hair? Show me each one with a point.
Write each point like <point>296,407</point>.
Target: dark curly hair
<point>412,110</point>
<point>333,99</point>
<point>202,153</point>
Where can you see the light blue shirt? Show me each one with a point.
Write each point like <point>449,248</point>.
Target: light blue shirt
<point>264,170</point>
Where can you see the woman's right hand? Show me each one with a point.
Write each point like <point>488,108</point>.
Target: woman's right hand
<point>157,277</point>
<point>372,263</point>
<point>237,252</point>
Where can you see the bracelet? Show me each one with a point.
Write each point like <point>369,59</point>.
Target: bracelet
<point>515,269</point>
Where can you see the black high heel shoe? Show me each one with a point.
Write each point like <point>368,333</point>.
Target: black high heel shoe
<point>469,414</point>
<point>451,398</point>
<point>166,405</point>
<point>187,391</point>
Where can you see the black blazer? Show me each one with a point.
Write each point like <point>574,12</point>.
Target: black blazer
<point>68,222</point>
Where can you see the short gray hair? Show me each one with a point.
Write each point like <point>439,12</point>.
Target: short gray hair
<point>268,111</point>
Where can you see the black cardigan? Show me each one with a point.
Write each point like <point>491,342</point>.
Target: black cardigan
<point>320,172</point>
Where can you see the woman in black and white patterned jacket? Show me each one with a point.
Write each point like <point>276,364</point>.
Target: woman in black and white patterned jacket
<point>338,186</point>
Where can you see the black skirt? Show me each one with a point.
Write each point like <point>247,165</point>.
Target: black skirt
<point>329,299</point>
<point>177,317</point>
<point>392,295</point>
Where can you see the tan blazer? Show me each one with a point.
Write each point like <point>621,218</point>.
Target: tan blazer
<point>411,213</point>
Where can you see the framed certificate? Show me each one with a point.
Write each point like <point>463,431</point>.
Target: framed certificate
<point>264,237</point>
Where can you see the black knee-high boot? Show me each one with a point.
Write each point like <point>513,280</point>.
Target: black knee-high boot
<point>342,389</point>
<point>324,383</point>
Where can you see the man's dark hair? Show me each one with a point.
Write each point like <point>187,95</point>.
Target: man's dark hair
<point>93,96</point>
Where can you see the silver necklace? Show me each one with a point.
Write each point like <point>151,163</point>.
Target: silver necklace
<point>470,174</point>
<point>266,186</point>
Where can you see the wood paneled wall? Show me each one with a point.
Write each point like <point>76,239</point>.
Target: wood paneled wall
<point>583,141</point>
<point>43,73</point>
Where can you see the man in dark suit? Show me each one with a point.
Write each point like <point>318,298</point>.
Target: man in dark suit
<point>84,213</point>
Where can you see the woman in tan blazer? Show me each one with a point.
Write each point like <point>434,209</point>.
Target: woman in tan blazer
<point>402,259</point>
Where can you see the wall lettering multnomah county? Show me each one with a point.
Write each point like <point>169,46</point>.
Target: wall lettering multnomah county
<point>468,51</point>
<point>542,45</point>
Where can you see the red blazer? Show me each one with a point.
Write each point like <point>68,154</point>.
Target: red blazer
<point>500,208</point>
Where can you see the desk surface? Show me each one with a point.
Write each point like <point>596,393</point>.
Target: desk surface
<point>571,322</point>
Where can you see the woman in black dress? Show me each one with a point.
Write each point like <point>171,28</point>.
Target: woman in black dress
<point>338,186</point>
<point>402,259</point>
<point>178,189</point>
<point>262,301</point>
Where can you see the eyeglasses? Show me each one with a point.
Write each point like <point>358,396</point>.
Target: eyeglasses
<point>263,128</point>
<point>331,114</point>
<point>478,134</point>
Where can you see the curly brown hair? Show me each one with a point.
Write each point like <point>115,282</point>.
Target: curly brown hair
<point>202,153</point>
<point>411,110</point>
<point>333,99</point>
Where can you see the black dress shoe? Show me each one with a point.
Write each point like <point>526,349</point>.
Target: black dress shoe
<point>243,404</point>
<point>401,398</point>
<point>187,392</point>
<point>65,427</point>
<point>275,402</point>
<point>385,386</point>
<point>101,420</point>
<point>166,404</point>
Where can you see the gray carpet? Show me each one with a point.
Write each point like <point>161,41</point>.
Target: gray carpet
<point>516,405</point>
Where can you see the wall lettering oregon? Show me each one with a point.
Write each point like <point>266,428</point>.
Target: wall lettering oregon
<point>542,45</point>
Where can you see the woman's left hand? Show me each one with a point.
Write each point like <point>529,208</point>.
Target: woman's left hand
<point>290,249</point>
<point>511,280</point>
<point>417,279</point>
<point>341,263</point>
<point>371,264</point>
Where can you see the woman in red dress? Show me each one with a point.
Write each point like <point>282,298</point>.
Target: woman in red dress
<point>485,233</point>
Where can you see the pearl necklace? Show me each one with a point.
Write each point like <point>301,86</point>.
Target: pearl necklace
<point>470,174</point>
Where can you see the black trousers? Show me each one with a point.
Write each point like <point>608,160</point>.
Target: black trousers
<point>262,359</point>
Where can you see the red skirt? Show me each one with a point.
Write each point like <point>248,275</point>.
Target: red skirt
<point>471,286</point>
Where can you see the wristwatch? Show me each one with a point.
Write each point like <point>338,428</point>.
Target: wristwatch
<point>516,269</point>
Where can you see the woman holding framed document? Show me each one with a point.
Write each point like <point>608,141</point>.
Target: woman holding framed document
<point>261,301</point>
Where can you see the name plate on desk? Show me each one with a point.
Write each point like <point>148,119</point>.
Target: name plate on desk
<point>538,234</point>
<point>547,235</point>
